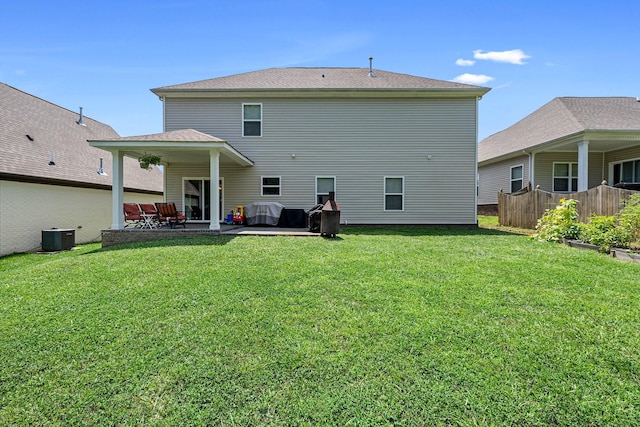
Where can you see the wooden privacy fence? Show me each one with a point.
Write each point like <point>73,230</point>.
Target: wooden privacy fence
<point>523,209</point>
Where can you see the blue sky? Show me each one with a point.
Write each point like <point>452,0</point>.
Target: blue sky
<point>106,55</point>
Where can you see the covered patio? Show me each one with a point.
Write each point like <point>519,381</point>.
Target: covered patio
<point>183,146</point>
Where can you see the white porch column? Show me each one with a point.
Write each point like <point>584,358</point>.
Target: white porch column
<point>583,166</point>
<point>214,176</point>
<point>117,192</point>
<point>532,168</point>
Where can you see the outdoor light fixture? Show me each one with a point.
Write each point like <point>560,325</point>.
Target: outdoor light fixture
<point>100,170</point>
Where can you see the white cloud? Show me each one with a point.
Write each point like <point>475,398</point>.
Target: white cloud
<point>509,56</point>
<point>473,79</point>
<point>465,62</point>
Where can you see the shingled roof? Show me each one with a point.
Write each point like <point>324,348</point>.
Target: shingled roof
<point>562,117</point>
<point>318,79</point>
<point>33,131</point>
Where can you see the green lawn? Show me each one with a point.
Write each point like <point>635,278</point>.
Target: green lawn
<point>378,327</point>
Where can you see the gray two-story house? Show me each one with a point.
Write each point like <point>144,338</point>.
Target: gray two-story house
<point>394,148</point>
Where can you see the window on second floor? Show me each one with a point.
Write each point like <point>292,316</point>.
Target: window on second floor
<point>565,177</point>
<point>516,178</point>
<point>251,119</point>
<point>270,185</point>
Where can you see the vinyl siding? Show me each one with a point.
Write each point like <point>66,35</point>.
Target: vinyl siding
<point>497,176</point>
<point>544,168</point>
<point>359,141</point>
<point>27,209</point>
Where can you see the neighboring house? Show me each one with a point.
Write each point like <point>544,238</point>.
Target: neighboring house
<point>49,175</point>
<point>395,148</point>
<point>570,144</point>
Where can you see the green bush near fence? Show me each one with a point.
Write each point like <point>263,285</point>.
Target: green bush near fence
<point>622,230</point>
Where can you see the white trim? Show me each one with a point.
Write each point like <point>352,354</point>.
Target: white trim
<point>184,202</point>
<point>583,166</point>
<point>214,197</point>
<point>296,93</point>
<point>619,162</point>
<point>117,190</point>
<point>385,194</point>
<point>263,186</point>
<point>511,177</point>
<point>476,194</point>
<point>570,177</point>
<point>532,166</point>
<point>261,121</point>
<point>316,186</point>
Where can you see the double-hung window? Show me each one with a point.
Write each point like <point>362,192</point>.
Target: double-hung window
<point>565,177</point>
<point>516,178</point>
<point>270,185</point>
<point>251,119</point>
<point>324,186</point>
<point>393,193</point>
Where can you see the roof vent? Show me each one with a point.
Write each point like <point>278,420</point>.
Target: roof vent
<point>52,159</point>
<point>80,119</point>
<point>371,66</point>
<point>100,170</point>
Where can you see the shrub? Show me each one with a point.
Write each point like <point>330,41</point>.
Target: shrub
<point>559,223</point>
<point>604,232</point>
<point>629,219</point>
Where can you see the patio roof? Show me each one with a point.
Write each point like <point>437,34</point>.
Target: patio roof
<point>178,146</point>
<point>608,123</point>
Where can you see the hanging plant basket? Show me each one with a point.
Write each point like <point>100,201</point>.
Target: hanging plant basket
<point>147,160</point>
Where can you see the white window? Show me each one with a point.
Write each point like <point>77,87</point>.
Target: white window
<point>627,171</point>
<point>565,177</point>
<point>324,186</point>
<point>270,185</point>
<point>516,178</point>
<point>251,119</point>
<point>393,193</point>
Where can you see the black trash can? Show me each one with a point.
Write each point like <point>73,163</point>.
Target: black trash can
<point>58,239</point>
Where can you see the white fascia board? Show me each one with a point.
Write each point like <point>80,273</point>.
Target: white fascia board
<point>325,93</point>
<point>142,146</point>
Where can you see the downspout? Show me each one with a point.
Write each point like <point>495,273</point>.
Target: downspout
<point>164,115</point>
<point>531,166</point>
<point>476,177</point>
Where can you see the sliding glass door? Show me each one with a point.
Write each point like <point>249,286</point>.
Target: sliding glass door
<point>197,196</point>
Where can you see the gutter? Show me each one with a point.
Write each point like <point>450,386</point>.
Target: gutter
<point>323,93</point>
<point>68,183</point>
<point>531,165</point>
